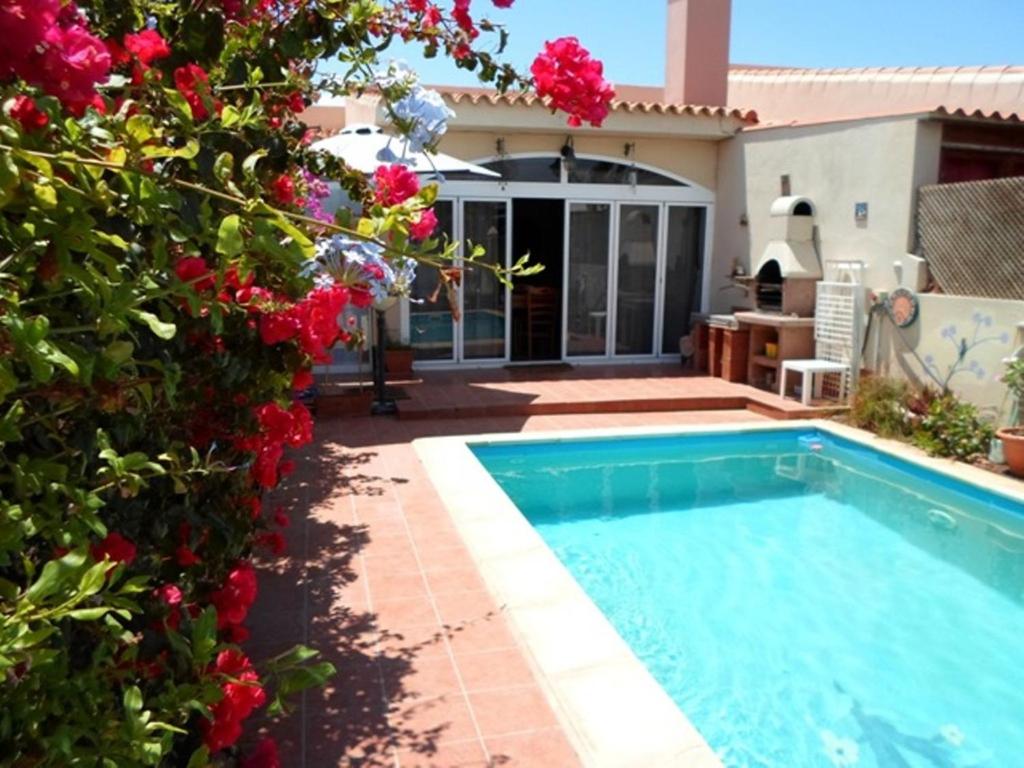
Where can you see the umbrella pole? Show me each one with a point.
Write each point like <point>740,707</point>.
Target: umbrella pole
<point>382,405</point>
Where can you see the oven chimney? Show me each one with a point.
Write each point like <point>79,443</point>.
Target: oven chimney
<point>697,52</point>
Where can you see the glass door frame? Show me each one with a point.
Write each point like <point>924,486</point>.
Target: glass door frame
<point>704,296</point>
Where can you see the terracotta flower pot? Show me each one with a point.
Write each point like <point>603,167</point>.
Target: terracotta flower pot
<point>1013,448</point>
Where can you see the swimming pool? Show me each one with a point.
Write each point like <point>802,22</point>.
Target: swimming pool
<point>804,599</point>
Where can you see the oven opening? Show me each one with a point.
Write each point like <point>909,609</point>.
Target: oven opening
<point>769,288</point>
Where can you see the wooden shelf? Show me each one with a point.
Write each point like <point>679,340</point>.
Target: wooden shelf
<point>765,361</point>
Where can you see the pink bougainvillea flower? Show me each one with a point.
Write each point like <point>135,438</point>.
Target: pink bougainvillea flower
<point>281,518</point>
<point>569,79</point>
<point>424,226</point>
<point>394,184</point>
<point>25,111</point>
<point>194,84</point>
<point>264,756</point>
<point>502,3</point>
<point>234,599</point>
<point>23,24</point>
<point>116,547</point>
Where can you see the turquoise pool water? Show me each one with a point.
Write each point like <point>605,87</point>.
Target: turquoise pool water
<point>805,601</point>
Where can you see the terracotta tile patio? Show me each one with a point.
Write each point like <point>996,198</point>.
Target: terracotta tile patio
<point>376,577</point>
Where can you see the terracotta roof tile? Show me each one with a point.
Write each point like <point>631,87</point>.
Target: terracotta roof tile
<point>640,99</point>
<point>794,95</point>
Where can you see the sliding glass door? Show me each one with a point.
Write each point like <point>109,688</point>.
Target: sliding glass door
<point>431,323</point>
<point>589,251</point>
<point>484,300</point>
<point>636,282</point>
<point>684,253</point>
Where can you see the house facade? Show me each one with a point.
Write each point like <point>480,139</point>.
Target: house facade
<point>653,218</point>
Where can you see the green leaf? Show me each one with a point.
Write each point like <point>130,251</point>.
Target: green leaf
<point>45,195</point>
<point>249,164</point>
<point>179,104</point>
<point>229,236</point>
<point>204,636</point>
<point>88,614</point>
<point>200,758</point>
<point>9,431</point>
<point>156,325</point>
<point>54,575</point>
<point>119,351</point>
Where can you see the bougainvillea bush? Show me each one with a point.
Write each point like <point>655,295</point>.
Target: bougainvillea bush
<point>168,278</point>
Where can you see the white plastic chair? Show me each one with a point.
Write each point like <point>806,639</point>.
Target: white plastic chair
<point>838,318</point>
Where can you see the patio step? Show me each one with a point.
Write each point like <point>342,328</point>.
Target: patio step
<point>414,411</point>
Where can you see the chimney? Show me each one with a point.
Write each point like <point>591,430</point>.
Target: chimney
<point>697,52</point>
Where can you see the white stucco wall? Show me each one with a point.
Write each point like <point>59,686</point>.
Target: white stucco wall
<point>880,162</point>
<point>988,326</point>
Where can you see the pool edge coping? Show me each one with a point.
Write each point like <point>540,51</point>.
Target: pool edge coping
<point>575,652</point>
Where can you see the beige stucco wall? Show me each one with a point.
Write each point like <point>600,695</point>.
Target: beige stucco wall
<point>880,162</point>
<point>990,328</point>
<point>696,160</point>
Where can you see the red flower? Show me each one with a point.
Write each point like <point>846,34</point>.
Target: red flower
<point>116,547</point>
<point>264,756</point>
<point>28,114</point>
<point>281,518</point>
<point>283,189</point>
<point>234,599</point>
<point>273,541</point>
<point>194,270</point>
<point>148,46</point>
<point>194,84</point>
<point>302,380</point>
<point>569,79</point>
<point>424,226</point>
<point>502,3</point>
<point>185,557</point>
<point>170,595</point>
<point>240,695</point>
<point>394,184</point>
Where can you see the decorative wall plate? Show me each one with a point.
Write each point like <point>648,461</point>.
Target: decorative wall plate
<point>903,307</point>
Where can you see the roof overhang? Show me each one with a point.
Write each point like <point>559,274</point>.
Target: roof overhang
<point>488,110</point>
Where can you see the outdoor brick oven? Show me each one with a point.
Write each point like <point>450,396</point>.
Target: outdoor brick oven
<point>787,271</point>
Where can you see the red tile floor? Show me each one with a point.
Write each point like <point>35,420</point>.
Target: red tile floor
<point>377,578</point>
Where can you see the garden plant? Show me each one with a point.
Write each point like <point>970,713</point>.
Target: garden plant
<point>168,278</point>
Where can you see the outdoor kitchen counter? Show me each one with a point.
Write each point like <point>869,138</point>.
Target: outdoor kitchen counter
<point>791,337</point>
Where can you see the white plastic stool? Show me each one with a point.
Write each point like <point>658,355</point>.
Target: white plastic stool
<point>809,368</point>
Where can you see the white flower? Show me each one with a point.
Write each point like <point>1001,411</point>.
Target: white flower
<point>424,115</point>
<point>840,751</point>
<point>952,734</point>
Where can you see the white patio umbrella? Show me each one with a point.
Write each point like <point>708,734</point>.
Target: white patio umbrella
<point>365,147</point>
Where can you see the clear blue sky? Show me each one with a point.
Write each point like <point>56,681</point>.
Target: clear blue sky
<point>628,35</point>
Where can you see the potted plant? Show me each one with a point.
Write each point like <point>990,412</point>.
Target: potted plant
<point>1012,437</point>
<point>398,358</point>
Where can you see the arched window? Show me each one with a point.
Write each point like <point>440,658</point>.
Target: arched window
<point>548,170</point>
<point>586,171</point>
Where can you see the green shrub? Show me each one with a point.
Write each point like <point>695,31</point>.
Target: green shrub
<point>953,429</point>
<point>882,405</point>
<point>157,310</point>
